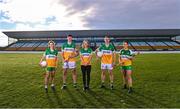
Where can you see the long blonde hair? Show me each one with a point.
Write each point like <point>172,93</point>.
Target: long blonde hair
<point>53,44</point>
<point>84,41</point>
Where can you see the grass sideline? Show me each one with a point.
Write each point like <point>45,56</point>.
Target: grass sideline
<point>156,84</point>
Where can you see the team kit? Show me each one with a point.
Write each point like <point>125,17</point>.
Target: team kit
<point>105,52</point>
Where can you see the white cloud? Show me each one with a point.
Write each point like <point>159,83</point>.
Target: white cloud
<point>21,26</point>
<point>22,12</point>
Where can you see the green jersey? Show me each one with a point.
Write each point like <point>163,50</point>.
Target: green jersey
<point>68,50</point>
<point>51,57</point>
<point>125,57</point>
<point>107,57</point>
<point>85,55</point>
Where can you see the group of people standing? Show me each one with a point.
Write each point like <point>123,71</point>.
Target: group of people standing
<point>108,62</point>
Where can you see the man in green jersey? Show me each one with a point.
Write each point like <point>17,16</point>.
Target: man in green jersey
<point>69,52</point>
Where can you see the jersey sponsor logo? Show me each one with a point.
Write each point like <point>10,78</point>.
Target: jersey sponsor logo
<point>85,54</point>
<point>50,56</point>
<point>107,52</point>
<point>68,49</point>
<point>126,56</point>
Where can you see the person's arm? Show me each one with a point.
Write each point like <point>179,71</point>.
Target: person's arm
<point>75,54</point>
<point>62,56</point>
<point>62,53</point>
<point>81,57</point>
<point>56,59</point>
<point>114,58</point>
<point>133,55</point>
<point>120,59</point>
<point>89,59</point>
<point>42,58</point>
<point>96,51</point>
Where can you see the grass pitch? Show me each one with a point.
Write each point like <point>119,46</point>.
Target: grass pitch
<point>156,84</point>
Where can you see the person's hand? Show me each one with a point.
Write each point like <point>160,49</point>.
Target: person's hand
<point>88,63</point>
<point>69,58</point>
<point>40,63</point>
<point>97,58</point>
<point>121,63</point>
<point>66,60</point>
<point>114,64</point>
<point>56,66</point>
<point>85,64</point>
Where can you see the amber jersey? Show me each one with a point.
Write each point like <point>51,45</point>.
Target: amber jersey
<point>68,50</point>
<point>107,57</point>
<point>125,56</point>
<point>85,53</point>
<point>51,57</point>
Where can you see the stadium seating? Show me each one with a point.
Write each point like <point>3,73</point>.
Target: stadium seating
<point>140,45</point>
<point>15,46</point>
<point>173,44</point>
<point>42,46</point>
<point>29,46</point>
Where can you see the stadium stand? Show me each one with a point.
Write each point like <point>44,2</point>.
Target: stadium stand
<point>141,40</point>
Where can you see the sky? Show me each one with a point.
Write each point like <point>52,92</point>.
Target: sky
<point>87,14</point>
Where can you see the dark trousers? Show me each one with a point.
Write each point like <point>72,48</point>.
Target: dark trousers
<point>86,70</point>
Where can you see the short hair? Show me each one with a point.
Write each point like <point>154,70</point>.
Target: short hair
<point>106,36</point>
<point>126,42</point>
<point>69,35</point>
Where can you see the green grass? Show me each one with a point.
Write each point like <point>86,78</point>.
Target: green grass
<point>156,84</point>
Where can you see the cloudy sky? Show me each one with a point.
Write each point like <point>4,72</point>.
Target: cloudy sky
<point>88,14</point>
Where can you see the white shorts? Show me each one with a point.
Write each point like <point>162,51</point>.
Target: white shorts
<point>69,65</point>
<point>106,66</point>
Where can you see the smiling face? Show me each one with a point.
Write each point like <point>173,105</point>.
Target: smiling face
<point>85,43</point>
<point>51,45</point>
<point>69,38</point>
<point>106,40</point>
<point>125,45</point>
